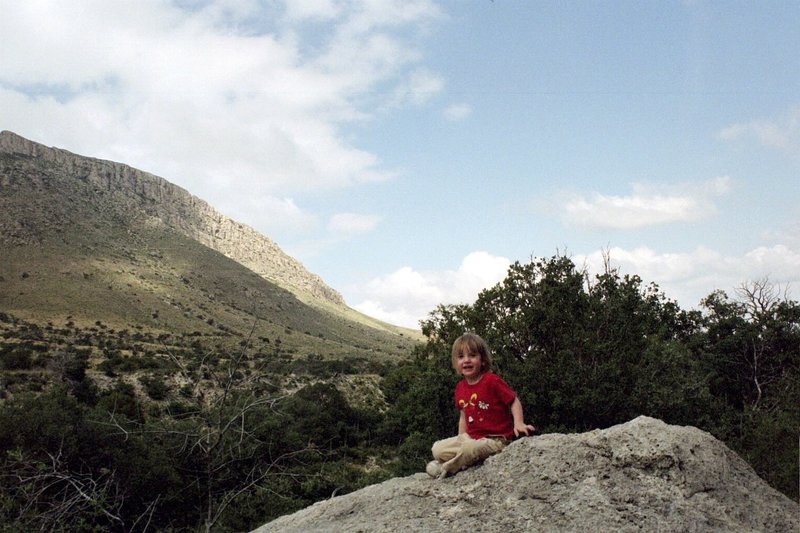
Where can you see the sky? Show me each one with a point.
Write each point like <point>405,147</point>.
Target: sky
<point>408,151</point>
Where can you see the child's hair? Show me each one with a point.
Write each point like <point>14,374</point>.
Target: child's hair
<point>473,344</point>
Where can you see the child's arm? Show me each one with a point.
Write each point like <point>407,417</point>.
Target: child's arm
<point>462,424</point>
<point>520,426</point>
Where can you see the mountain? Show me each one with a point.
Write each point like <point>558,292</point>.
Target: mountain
<point>643,475</point>
<point>91,243</point>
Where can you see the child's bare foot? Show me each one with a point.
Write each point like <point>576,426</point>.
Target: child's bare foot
<point>434,469</point>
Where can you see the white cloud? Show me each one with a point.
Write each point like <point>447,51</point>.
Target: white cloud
<point>341,227</point>
<point>648,205</point>
<point>231,99</point>
<point>689,277</point>
<point>312,9</point>
<point>457,112</point>
<point>279,213</point>
<point>789,234</point>
<point>406,296</point>
<point>372,14</point>
<point>419,88</point>
<point>345,225</point>
<point>782,133</point>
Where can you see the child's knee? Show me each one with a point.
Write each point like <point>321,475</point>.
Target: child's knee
<point>443,450</point>
<point>495,445</point>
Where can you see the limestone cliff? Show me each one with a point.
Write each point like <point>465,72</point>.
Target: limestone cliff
<point>176,208</point>
<point>644,475</point>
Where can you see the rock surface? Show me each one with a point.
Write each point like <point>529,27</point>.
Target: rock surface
<point>643,475</point>
<point>173,206</point>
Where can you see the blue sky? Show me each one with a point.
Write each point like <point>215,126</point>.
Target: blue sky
<point>407,151</point>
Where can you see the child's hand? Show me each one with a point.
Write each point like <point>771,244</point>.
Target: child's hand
<point>523,429</point>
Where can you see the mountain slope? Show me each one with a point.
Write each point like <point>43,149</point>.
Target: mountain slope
<point>85,240</point>
<point>149,198</point>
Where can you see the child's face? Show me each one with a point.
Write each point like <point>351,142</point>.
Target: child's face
<point>469,365</point>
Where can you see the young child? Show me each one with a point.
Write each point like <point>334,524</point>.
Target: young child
<point>491,413</point>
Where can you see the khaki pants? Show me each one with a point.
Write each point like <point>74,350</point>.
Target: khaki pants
<point>462,451</point>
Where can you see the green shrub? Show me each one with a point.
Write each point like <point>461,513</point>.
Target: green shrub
<point>16,358</point>
<point>155,387</point>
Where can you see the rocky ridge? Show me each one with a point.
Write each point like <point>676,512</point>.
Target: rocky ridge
<point>643,475</point>
<point>173,206</point>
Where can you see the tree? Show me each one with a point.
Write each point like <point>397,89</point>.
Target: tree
<point>224,441</point>
<point>753,345</point>
<point>576,348</point>
<point>752,354</point>
<point>59,472</point>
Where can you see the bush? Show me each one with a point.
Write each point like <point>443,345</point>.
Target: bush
<point>121,402</point>
<point>155,387</point>
<point>16,358</point>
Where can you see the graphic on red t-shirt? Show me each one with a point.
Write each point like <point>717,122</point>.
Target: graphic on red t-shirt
<point>486,406</point>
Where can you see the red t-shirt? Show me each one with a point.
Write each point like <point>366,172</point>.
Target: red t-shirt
<point>486,406</point>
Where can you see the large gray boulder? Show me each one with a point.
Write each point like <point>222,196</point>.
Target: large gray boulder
<point>643,475</point>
